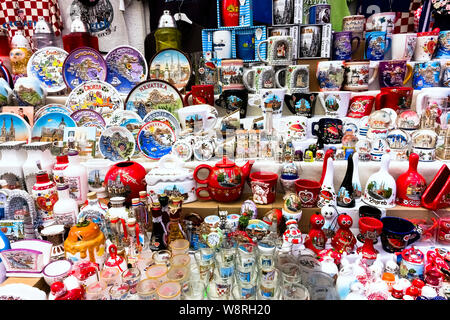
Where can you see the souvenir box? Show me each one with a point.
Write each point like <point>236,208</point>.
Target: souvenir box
<point>260,35</point>
<point>325,41</point>
<point>245,13</point>
<point>293,32</point>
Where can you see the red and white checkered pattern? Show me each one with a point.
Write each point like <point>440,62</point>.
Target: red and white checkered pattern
<point>405,20</point>
<point>23,14</point>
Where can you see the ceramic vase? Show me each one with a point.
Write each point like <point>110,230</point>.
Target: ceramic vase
<point>39,157</point>
<point>411,184</point>
<point>125,179</point>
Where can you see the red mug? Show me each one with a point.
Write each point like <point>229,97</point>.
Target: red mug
<point>263,186</point>
<point>308,192</point>
<point>360,106</point>
<point>201,94</point>
<point>394,98</point>
<point>230,13</point>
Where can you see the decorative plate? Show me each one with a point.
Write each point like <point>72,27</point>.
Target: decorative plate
<point>13,128</point>
<point>46,65</point>
<point>50,127</point>
<point>51,108</point>
<point>126,68</point>
<point>155,139</point>
<point>171,65</point>
<point>153,95</point>
<point>166,117</point>
<point>83,64</point>
<point>117,144</point>
<point>121,116</point>
<point>21,291</point>
<point>84,116</point>
<point>182,149</point>
<point>134,126</point>
<point>95,95</point>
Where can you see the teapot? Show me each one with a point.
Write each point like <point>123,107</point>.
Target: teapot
<point>225,181</point>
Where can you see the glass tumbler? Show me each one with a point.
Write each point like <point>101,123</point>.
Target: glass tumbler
<point>205,260</point>
<point>157,272</point>
<point>119,291</point>
<point>219,288</point>
<point>179,246</point>
<point>96,291</point>
<point>169,290</point>
<point>178,273</point>
<point>244,290</point>
<point>193,290</point>
<point>181,260</point>
<point>294,291</point>
<point>144,260</point>
<point>131,277</point>
<point>290,273</point>
<point>162,257</point>
<point>268,286</point>
<point>146,289</point>
<point>110,276</point>
<point>266,254</point>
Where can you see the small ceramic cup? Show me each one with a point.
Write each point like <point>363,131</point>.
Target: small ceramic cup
<point>279,50</point>
<point>270,98</point>
<point>263,185</point>
<point>296,78</point>
<point>426,74</point>
<point>403,46</point>
<point>330,75</point>
<point>394,73</point>
<point>202,117</point>
<point>357,75</point>
<point>335,103</point>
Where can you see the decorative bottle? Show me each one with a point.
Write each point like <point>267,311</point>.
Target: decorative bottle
<point>38,155</point>
<point>45,196</point>
<point>19,55</point>
<point>139,212</point>
<point>356,182</point>
<point>134,240</point>
<point>327,195</point>
<point>61,164</point>
<point>118,208</point>
<point>410,185</point>
<point>79,36</point>
<point>329,153</point>
<point>174,229</point>
<point>13,157</point>
<point>65,209</point>
<point>94,211</point>
<point>144,219</point>
<point>167,36</point>
<point>159,230</point>
<point>345,194</point>
<point>43,35</point>
<point>76,176</point>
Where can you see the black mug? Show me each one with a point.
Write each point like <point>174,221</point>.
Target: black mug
<point>234,99</point>
<point>397,234</point>
<point>368,211</point>
<point>301,104</point>
<point>329,130</point>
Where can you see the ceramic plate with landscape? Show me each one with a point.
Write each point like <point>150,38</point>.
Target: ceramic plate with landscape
<point>51,108</point>
<point>156,139</point>
<point>164,116</point>
<point>117,143</point>
<point>83,64</point>
<point>134,126</point>
<point>13,128</point>
<point>126,68</point>
<point>84,116</point>
<point>121,116</point>
<point>172,66</point>
<point>46,65</point>
<point>95,95</point>
<point>153,95</point>
<point>50,127</point>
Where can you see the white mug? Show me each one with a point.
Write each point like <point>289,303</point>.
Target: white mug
<point>262,77</point>
<point>434,98</point>
<point>403,46</point>
<point>201,117</point>
<point>273,98</point>
<point>423,45</point>
<point>381,21</point>
<point>222,44</point>
<point>296,78</point>
<point>335,103</point>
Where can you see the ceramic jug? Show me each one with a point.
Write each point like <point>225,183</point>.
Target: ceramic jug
<point>327,195</point>
<point>411,184</point>
<point>381,188</point>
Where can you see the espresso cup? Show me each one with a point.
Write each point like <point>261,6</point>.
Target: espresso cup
<point>296,78</point>
<point>403,46</point>
<point>301,104</point>
<point>397,234</point>
<point>269,98</point>
<point>394,73</point>
<point>261,77</point>
<point>342,45</point>
<point>222,44</point>
<point>279,50</point>
<point>377,44</point>
<point>200,117</point>
<point>232,100</point>
<point>201,94</point>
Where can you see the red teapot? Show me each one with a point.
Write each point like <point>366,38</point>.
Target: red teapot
<point>225,181</point>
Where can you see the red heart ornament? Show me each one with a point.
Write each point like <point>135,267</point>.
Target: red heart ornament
<point>47,203</point>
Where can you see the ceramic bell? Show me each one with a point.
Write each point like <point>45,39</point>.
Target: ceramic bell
<point>345,194</point>
<point>381,187</point>
<point>398,142</point>
<point>410,185</point>
<point>327,195</point>
<point>115,261</point>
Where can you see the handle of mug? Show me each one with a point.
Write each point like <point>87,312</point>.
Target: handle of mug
<point>409,72</point>
<point>253,101</point>
<point>259,53</point>
<point>186,98</point>
<point>414,237</point>
<point>277,79</point>
<point>211,121</point>
<point>357,46</point>
<point>197,192</point>
<point>321,99</point>
<point>388,47</point>
<point>419,102</point>
<point>374,75</point>
<point>245,80</point>
<point>379,100</point>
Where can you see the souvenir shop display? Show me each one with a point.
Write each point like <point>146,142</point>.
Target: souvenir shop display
<point>297,156</point>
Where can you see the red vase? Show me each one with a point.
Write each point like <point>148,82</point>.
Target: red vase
<point>410,185</point>
<point>230,13</point>
<point>125,179</point>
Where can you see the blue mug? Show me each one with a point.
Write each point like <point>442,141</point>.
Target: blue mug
<point>319,14</point>
<point>443,46</point>
<point>426,74</point>
<point>245,46</point>
<point>376,45</point>
<point>397,234</point>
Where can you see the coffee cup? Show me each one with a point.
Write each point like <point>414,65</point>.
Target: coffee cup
<point>231,74</point>
<point>342,45</point>
<point>222,44</point>
<point>335,103</point>
<point>279,50</point>
<point>396,98</point>
<point>261,77</point>
<point>263,185</point>
<point>377,44</point>
<point>403,46</point>
<point>269,98</point>
<point>201,94</point>
<point>296,78</point>
<point>310,38</point>
<point>301,104</point>
<point>394,73</point>
<point>330,75</point>
<point>232,100</point>
<point>397,234</point>
<point>426,74</point>
<point>200,117</point>
<point>426,45</point>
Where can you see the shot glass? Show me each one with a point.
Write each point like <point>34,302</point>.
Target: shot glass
<point>268,286</point>
<point>179,246</point>
<point>181,260</point>
<point>178,273</point>
<point>162,257</point>
<point>219,289</point>
<point>119,291</point>
<point>157,272</point>
<point>193,290</point>
<point>110,276</point>
<point>290,273</point>
<point>294,291</point>
<point>244,290</point>
<point>131,277</point>
<point>266,254</point>
<point>224,267</point>
<point>204,258</point>
<point>96,291</point>
<point>169,290</point>
<point>146,289</point>
<point>144,260</point>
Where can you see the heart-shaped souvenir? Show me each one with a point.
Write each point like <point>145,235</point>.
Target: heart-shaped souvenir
<point>47,203</point>
<point>306,196</point>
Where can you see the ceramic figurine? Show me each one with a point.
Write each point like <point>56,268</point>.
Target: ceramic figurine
<point>19,55</point>
<point>327,195</point>
<point>330,214</point>
<point>412,264</point>
<point>292,237</point>
<point>345,194</point>
<point>344,240</point>
<point>411,184</point>
<point>316,239</point>
<point>329,153</point>
<point>381,187</point>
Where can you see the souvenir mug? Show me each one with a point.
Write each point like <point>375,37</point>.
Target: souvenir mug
<point>342,45</point>
<point>198,117</point>
<point>357,75</point>
<point>231,74</point>
<point>222,44</point>
<point>426,45</point>
<point>446,73</point>
<point>282,11</point>
<point>426,74</point>
<point>6,93</point>
<point>335,103</point>
<point>329,130</point>
<point>395,98</point>
<point>232,100</point>
<point>308,192</point>
<point>319,14</point>
<point>394,73</point>
<point>201,94</point>
<point>397,234</point>
<point>279,50</point>
<point>296,78</point>
<point>382,21</point>
<point>301,104</point>
<point>360,106</point>
<point>230,13</point>
<point>376,46</point>
<point>355,24</point>
<point>279,32</point>
<point>245,46</point>
<point>270,98</point>
<point>263,185</point>
<point>403,46</point>
<point>443,47</point>
<point>330,75</point>
<point>310,38</point>
<point>262,77</point>
<point>432,99</point>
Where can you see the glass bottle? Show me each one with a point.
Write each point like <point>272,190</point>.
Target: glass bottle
<point>144,219</point>
<point>253,143</point>
<point>118,208</point>
<point>241,143</point>
<point>79,36</point>
<point>43,35</point>
<point>19,55</point>
<point>159,230</point>
<point>345,194</point>
<point>61,164</point>
<point>94,211</point>
<point>65,209</point>
<point>118,235</point>
<point>76,176</point>
<point>135,245</point>
<point>167,36</point>
<point>139,213</point>
<point>174,229</point>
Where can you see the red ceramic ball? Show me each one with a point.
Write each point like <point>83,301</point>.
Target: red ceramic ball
<point>125,179</point>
